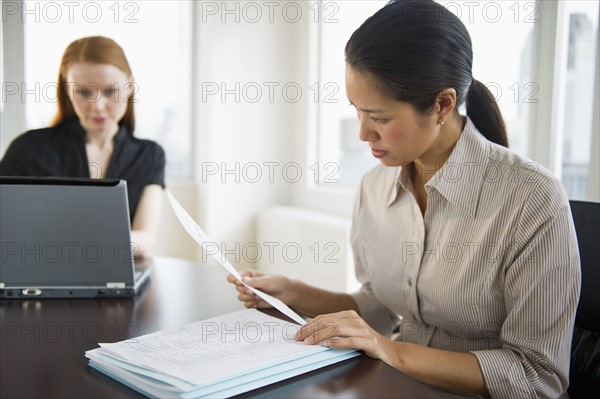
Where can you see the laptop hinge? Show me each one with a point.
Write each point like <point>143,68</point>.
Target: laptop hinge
<point>115,285</point>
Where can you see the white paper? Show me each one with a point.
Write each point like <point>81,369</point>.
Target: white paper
<point>216,358</point>
<point>201,238</point>
<point>214,350</point>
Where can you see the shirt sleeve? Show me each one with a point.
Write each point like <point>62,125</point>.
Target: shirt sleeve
<point>156,173</point>
<point>371,310</point>
<point>16,160</point>
<point>542,286</point>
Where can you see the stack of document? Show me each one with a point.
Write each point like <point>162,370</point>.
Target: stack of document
<point>217,358</point>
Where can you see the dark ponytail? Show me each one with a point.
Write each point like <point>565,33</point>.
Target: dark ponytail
<point>416,48</point>
<point>485,114</point>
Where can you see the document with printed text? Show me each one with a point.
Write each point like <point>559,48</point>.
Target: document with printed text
<point>218,357</point>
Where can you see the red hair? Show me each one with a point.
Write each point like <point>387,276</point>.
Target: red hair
<point>94,50</point>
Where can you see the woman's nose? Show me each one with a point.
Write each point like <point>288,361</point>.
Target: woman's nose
<point>366,132</point>
<point>100,102</point>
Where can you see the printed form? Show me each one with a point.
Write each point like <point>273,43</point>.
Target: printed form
<point>221,356</point>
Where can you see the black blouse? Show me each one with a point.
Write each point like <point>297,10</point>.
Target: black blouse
<point>60,152</point>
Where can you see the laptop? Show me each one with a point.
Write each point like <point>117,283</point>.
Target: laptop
<point>67,238</point>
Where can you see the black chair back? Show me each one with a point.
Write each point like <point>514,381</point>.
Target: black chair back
<point>586,216</point>
<point>585,351</point>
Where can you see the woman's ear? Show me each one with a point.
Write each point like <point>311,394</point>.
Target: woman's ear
<point>130,87</point>
<point>445,103</point>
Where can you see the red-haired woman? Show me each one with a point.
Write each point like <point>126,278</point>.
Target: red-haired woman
<point>92,135</point>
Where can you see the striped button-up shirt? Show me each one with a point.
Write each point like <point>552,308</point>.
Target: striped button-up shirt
<point>491,268</point>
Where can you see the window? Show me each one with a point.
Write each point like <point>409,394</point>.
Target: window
<point>156,38</point>
<point>579,20</point>
<point>338,143</point>
<point>504,66</point>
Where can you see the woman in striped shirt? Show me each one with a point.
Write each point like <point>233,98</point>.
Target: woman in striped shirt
<point>464,248</point>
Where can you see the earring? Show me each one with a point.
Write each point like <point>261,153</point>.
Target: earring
<point>441,122</point>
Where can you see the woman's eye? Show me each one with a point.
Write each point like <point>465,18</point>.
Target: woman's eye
<point>378,120</point>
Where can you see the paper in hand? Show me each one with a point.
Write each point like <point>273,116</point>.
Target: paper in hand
<point>201,238</point>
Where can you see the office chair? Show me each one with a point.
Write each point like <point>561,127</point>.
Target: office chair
<point>585,350</point>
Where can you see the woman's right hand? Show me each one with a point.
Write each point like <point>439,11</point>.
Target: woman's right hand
<point>274,285</point>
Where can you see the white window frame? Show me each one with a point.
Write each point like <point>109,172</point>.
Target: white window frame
<point>13,68</point>
<point>594,175</point>
<point>549,60</point>
<point>547,116</point>
<point>313,196</point>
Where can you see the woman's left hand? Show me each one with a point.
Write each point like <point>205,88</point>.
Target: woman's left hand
<point>345,330</point>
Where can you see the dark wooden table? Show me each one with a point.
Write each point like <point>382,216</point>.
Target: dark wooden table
<point>42,342</point>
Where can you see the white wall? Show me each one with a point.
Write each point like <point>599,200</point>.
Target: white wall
<point>172,239</point>
<point>245,132</point>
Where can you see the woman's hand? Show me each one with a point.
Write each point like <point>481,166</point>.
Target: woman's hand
<point>275,285</point>
<point>346,330</point>
<point>456,371</point>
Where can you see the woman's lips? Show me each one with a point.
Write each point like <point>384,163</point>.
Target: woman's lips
<point>99,120</point>
<point>378,153</point>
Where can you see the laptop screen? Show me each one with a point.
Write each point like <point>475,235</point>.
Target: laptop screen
<point>64,232</point>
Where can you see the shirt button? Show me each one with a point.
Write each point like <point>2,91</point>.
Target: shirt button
<point>410,282</point>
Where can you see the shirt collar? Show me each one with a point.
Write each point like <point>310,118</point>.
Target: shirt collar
<point>395,188</point>
<point>460,179</point>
